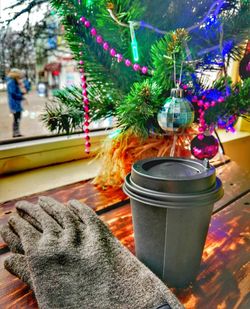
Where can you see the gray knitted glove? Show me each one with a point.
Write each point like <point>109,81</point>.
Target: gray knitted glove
<point>16,263</point>
<point>75,261</point>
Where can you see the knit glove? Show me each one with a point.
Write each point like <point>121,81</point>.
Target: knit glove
<point>75,262</point>
<point>16,263</point>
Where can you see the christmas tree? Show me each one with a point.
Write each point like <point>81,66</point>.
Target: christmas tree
<point>131,54</point>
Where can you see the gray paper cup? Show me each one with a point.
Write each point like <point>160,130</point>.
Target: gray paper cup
<point>172,201</point>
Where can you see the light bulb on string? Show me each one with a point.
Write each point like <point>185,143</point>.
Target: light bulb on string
<point>112,52</point>
<point>134,44</point>
<point>89,3</point>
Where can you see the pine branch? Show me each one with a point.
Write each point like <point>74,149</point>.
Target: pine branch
<point>139,109</point>
<point>110,83</point>
<point>59,118</point>
<point>169,55</point>
<point>236,103</point>
<point>65,113</point>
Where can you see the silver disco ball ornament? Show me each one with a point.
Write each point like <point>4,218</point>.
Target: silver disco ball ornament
<point>177,112</point>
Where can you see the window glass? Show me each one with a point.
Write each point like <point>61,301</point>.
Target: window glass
<point>34,62</point>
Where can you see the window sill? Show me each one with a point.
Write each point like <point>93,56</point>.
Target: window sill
<point>28,155</point>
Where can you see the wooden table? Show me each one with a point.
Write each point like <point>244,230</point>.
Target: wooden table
<point>224,278</point>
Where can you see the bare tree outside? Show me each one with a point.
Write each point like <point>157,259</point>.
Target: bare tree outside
<point>31,39</point>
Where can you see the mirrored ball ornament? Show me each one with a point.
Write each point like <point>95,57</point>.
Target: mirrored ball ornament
<point>176,114</point>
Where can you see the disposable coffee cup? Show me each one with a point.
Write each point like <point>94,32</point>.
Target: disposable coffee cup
<point>172,201</point>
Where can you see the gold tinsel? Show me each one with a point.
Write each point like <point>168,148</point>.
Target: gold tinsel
<point>119,154</point>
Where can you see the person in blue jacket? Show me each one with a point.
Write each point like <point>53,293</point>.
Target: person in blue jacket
<point>27,83</point>
<point>15,97</point>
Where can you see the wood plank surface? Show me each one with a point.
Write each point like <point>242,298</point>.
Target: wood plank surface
<point>224,278</point>
<point>223,282</point>
<point>13,292</point>
<point>235,180</point>
<point>84,191</point>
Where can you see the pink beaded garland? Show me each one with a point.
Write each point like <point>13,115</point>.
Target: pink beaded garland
<point>87,23</point>
<point>144,70</point>
<point>206,105</point>
<point>203,107</point>
<point>119,57</point>
<point>99,39</point>
<point>85,107</point>
<point>200,129</point>
<point>105,45</point>
<point>112,52</point>
<point>136,67</point>
<point>93,31</point>
<point>202,121</point>
<point>221,99</point>
<point>194,99</point>
<point>128,63</point>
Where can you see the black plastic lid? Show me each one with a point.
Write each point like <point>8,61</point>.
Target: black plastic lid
<point>173,175</point>
<point>173,200</point>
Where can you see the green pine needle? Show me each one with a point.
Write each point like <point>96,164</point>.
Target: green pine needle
<point>139,109</point>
